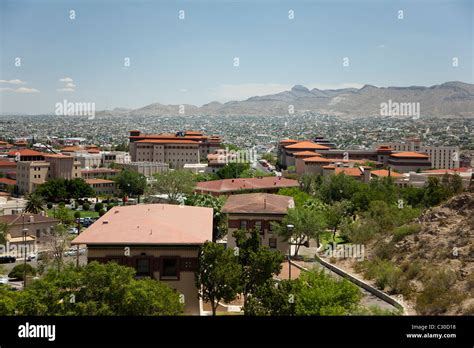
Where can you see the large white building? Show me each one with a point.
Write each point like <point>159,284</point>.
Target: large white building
<point>441,157</point>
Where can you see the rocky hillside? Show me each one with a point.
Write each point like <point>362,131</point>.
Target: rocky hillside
<point>445,242</point>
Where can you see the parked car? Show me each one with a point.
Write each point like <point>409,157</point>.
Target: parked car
<point>32,257</point>
<point>7,259</point>
<point>73,230</point>
<point>3,280</point>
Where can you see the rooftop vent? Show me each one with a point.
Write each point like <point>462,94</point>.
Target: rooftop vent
<point>105,222</point>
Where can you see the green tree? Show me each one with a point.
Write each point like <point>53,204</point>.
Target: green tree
<point>300,197</point>
<point>270,158</point>
<point>318,293</point>
<point>272,298</point>
<point>218,274</point>
<point>57,240</point>
<point>97,289</point>
<point>336,214</point>
<point>19,270</point>
<point>175,184</point>
<point>307,224</point>
<point>259,264</point>
<point>34,203</point>
<point>78,188</point>
<point>54,190</point>
<point>131,183</point>
<point>232,170</point>
<point>4,227</point>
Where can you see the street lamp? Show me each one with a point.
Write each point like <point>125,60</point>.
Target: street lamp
<point>289,228</point>
<point>25,230</point>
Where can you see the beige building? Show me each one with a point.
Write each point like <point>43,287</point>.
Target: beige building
<point>145,168</point>
<point>34,173</point>
<point>37,225</point>
<point>174,149</point>
<point>257,211</point>
<point>441,157</point>
<point>103,187</point>
<point>156,241</point>
<point>404,162</point>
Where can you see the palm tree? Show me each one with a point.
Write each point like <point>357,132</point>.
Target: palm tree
<point>35,203</point>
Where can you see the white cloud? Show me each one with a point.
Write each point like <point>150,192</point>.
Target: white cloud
<point>22,90</point>
<point>65,89</point>
<point>246,90</point>
<point>381,46</point>
<point>13,82</point>
<point>66,79</point>
<point>70,85</point>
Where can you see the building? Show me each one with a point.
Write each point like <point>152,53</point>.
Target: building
<point>7,167</point>
<point>358,173</point>
<point>441,157</point>
<point>109,157</point>
<point>160,243</point>
<point>258,211</point>
<point>26,155</point>
<point>99,173</point>
<point>404,162</point>
<point>103,187</point>
<point>288,147</point>
<point>30,174</point>
<point>38,225</point>
<point>420,179</point>
<point>145,168</point>
<point>173,149</point>
<point>269,184</point>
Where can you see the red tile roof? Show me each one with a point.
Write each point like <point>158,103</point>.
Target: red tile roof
<point>231,185</point>
<point>409,154</point>
<point>318,159</point>
<point>170,141</point>
<point>8,164</point>
<point>349,171</point>
<point>306,145</point>
<point>98,181</point>
<point>449,171</point>
<point>306,154</point>
<point>155,224</point>
<point>384,173</point>
<point>258,203</point>
<point>25,152</point>
<point>7,181</point>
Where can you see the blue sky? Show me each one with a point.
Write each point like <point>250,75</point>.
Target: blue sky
<point>175,61</point>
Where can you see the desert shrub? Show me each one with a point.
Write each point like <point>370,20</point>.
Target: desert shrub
<point>411,269</point>
<point>400,232</point>
<point>384,250</point>
<point>360,231</point>
<point>438,294</point>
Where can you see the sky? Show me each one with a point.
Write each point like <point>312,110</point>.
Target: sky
<point>134,53</point>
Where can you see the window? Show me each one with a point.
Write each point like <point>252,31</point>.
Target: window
<point>243,224</point>
<point>272,243</point>
<point>169,268</point>
<point>143,267</point>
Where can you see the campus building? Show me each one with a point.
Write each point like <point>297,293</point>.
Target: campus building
<point>441,157</point>
<point>30,174</point>
<point>269,184</point>
<point>258,211</point>
<point>160,243</point>
<point>174,149</point>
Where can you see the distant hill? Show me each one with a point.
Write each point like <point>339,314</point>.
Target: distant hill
<point>450,99</point>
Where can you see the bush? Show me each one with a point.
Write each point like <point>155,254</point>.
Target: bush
<point>101,212</point>
<point>77,214</point>
<point>400,232</point>
<point>109,206</point>
<point>18,271</point>
<point>98,207</point>
<point>49,205</point>
<point>439,294</point>
<point>86,207</point>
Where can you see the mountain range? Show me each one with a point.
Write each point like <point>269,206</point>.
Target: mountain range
<point>450,99</point>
